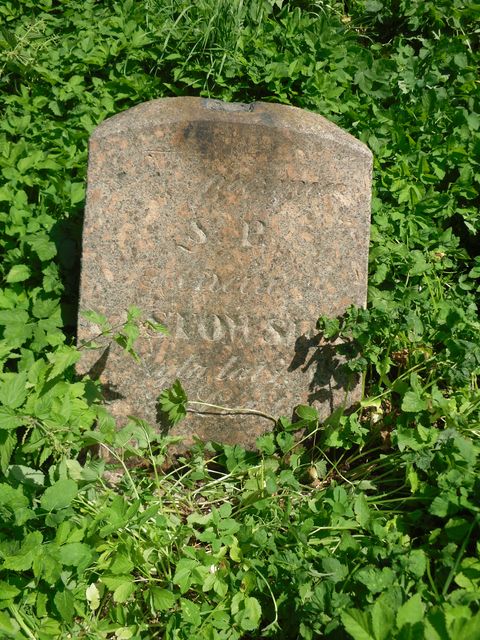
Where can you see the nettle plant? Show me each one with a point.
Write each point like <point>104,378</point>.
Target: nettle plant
<point>364,526</point>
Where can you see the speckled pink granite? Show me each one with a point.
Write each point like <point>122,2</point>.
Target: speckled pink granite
<point>236,226</point>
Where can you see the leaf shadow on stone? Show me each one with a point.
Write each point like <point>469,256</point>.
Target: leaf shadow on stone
<point>109,391</point>
<point>327,365</point>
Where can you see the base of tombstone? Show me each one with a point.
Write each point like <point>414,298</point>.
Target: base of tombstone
<point>210,417</point>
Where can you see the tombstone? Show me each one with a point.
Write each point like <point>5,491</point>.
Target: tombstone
<point>237,226</point>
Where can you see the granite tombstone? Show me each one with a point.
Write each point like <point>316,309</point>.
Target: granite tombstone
<point>235,225</point>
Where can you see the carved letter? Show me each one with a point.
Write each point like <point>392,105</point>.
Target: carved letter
<point>210,328</point>
<point>180,327</point>
<point>252,233</point>
<point>276,331</point>
<point>198,236</point>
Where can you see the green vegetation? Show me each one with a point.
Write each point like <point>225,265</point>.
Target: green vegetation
<point>369,528</point>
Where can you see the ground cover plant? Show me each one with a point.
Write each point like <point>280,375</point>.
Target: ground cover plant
<point>366,529</point>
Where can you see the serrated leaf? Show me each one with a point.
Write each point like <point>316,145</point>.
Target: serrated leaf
<point>59,495</point>
<point>156,326</point>
<point>357,624</point>
<point>411,611</point>
<point>8,591</point>
<point>26,475</point>
<point>382,620</point>
<point>417,562</point>
<point>75,554</point>
<point>334,568</point>
<point>8,442</point>
<point>439,507</point>
<point>190,612</point>
<point>121,565</point>
<point>310,414</point>
<point>22,560</point>
<point>162,599</point>
<point>61,359</point>
<point>362,510</point>
<point>9,419</point>
<point>97,318</point>
<point>64,602</point>
<point>9,316</point>
<point>18,273</point>
<point>173,401</point>
<point>42,245</point>
<point>124,590</point>
<point>12,389</point>
<point>413,403</point>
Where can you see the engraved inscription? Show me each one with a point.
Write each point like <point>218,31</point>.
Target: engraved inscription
<point>232,328</point>
<point>233,370</point>
<point>253,233</point>
<point>197,236</point>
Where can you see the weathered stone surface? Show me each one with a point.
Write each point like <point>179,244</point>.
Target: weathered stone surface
<point>236,226</point>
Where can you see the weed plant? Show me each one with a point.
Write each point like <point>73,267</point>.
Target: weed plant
<point>368,527</point>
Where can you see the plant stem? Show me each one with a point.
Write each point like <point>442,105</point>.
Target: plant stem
<point>21,621</point>
<point>235,410</point>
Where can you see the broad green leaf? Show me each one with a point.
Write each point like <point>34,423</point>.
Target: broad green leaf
<point>9,419</point>
<point>8,591</point>
<point>121,565</point>
<point>26,475</point>
<point>183,573</point>
<point>307,413</point>
<point>8,626</point>
<point>43,246</point>
<point>113,582</point>
<point>18,332</point>
<point>440,506</point>
<point>190,612</point>
<point>412,402</point>
<point>18,273</point>
<point>76,554</point>
<point>376,580</point>
<point>124,590</point>
<point>362,510</point>
<point>357,624</point>
<point>64,601</point>
<point>417,562</point>
<point>335,569</point>
<point>22,559</point>
<point>10,316</point>
<point>12,389</point>
<point>77,192</point>
<point>251,615</point>
<point>46,565</point>
<point>382,620</point>
<point>45,308</point>
<point>61,359</point>
<point>411,611</point>
<point>59,495</point>
<point>8,442</point>
<point>162,599</point>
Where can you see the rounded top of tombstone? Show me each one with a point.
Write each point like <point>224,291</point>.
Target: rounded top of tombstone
<point>162,111</point>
